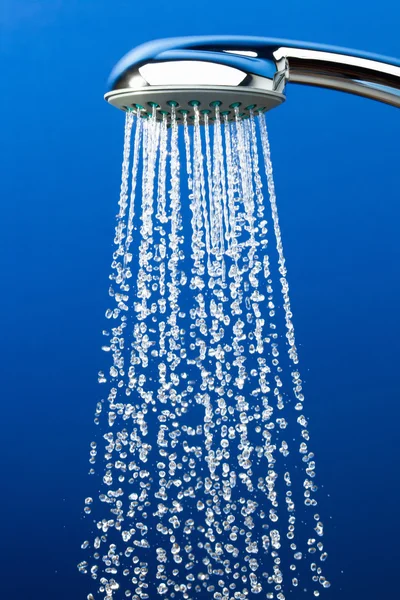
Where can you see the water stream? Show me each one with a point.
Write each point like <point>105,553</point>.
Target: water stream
<point>203,478</point>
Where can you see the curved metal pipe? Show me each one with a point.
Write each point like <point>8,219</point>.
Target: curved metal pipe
<point>266,64</point>
<point>377,78</point>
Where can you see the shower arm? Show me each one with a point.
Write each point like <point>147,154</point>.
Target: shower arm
<point>369,76</point>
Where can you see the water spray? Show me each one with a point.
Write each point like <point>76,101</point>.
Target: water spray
<point>205,480</point>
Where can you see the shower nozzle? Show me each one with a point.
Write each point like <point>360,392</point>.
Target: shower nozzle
<point>248,72</point>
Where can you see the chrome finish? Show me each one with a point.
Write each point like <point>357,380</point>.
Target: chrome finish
<point>361,76</point>
<point>143,86</point>
<point>246,70</point>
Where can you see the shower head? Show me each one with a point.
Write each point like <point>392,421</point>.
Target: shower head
<point>195,71</point>
<point>244,72</point>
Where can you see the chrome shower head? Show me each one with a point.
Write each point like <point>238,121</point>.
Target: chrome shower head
<point>195,71</point>
<point>248,72</point>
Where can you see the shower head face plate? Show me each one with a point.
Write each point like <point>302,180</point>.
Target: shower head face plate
<point>186,98</point>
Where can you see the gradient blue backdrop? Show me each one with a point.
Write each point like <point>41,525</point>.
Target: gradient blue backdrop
<point>337,176</point>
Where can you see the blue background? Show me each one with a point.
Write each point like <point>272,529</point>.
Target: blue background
<point>337,178</point>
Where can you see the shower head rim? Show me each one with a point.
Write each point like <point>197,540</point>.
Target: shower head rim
<point>248,97</point>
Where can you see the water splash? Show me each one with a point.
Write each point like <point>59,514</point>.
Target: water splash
<point>200,492</point>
